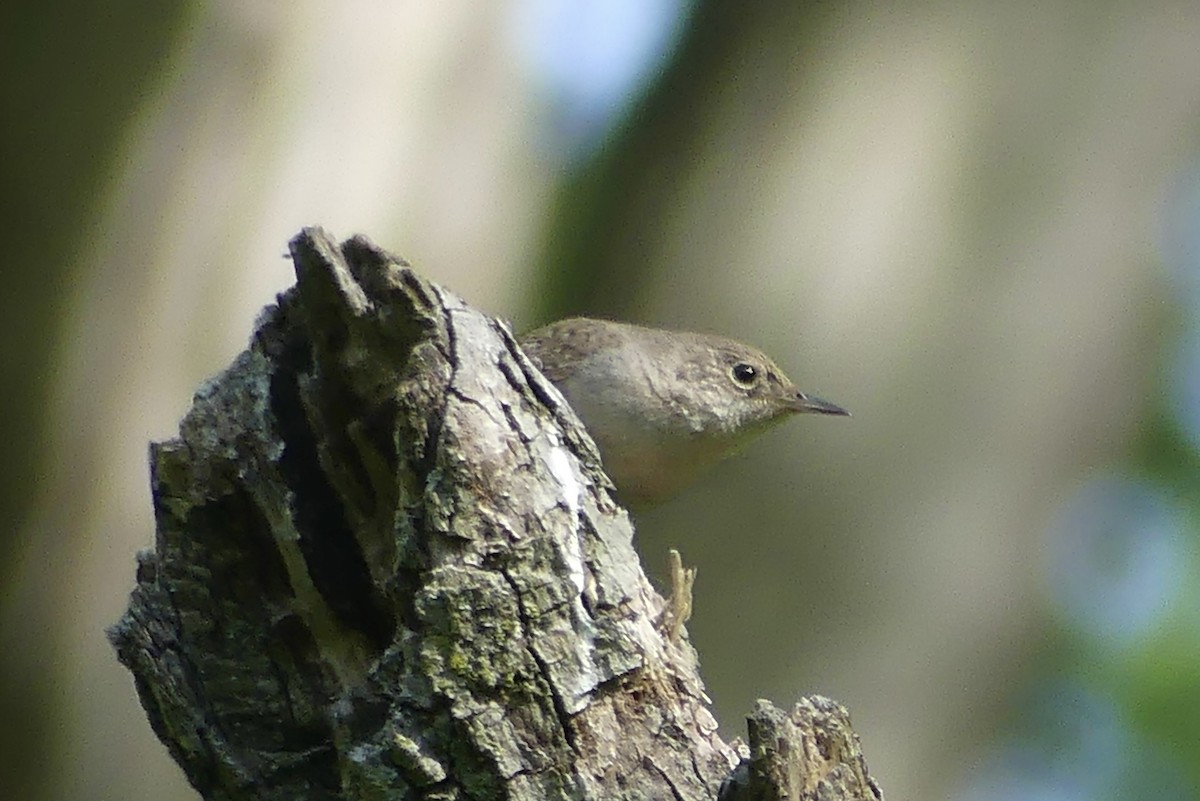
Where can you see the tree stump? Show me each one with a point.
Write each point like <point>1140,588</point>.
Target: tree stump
<point>389,566</point>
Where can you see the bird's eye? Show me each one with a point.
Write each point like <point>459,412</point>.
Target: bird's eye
<point>744,374</point>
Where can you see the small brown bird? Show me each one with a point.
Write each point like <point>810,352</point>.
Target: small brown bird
<point>663,405</point>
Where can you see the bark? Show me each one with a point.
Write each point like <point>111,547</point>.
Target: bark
<point>388,566</point>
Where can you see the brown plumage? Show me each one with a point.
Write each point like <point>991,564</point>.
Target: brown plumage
<point>663,405</point>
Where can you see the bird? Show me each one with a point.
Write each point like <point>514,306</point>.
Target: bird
<point>661,405</point>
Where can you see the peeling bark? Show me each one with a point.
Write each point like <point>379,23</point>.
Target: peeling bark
<point>388,566</point>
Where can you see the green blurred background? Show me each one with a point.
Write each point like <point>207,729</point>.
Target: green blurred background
<point>976,225</point>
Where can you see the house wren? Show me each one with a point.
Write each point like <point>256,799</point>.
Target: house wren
<point>663,405</point>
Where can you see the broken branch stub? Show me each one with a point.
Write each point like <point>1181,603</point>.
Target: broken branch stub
<point>387,565</point>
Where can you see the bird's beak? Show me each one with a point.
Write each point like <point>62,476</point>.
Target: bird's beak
<point>809,405</point>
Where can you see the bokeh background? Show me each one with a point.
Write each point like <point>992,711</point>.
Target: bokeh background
<point>975,224</point>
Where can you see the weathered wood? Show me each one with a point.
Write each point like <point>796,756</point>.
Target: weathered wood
<point>388,566</point>
<point>812,754</point>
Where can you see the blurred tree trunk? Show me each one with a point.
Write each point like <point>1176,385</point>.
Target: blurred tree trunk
<point>388,566</point>
<point>734,67</point>
<point>70,82</point>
